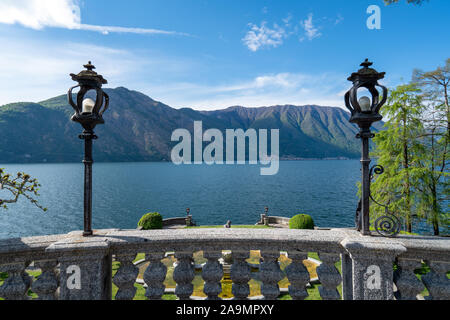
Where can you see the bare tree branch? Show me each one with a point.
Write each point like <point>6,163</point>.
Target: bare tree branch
<point>21,185</point>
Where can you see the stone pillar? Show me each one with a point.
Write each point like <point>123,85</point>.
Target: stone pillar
<point>154,276</point>
<point>329,276</point>
<point>347,278</point>
<point>270,274</point>
<point>212,273</point>
<point>261,220</point>
<point>125,277</point>
<point>436,281</point>
<point>85,268</point>
<point>183,275</point>
<point>241,275</point>
<point>372,265</point>
<point>298,275</point>
<point>408,285</point>
<point>18,282</point>
<point>47,283</point>
<point>188,221</point>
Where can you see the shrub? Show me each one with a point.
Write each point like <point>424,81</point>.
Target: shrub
<point>152,220</point>
<point>301,221</point>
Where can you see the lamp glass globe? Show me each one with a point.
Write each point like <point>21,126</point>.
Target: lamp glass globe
<point>88,105</point>
<point>365,104</point>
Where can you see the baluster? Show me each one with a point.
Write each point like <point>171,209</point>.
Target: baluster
<point>436,280</point>
<point>329,276</point>
<point>154,276</point>
<point>241,275</point>
<point>183,275</point>
<point>47,283</point>
<point>125,277</point>
<point>405,280</point>
<point>18,282</point>
<point>270,275</point>
<point>212,273</point>
<point>298,275</point>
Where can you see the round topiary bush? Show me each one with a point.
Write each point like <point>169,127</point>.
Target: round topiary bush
<point>152,220</point>
<point>301,221</point>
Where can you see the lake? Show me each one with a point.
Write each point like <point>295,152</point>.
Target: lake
<point>123,192</point>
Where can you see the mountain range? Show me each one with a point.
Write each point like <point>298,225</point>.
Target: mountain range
<point>138,128</point>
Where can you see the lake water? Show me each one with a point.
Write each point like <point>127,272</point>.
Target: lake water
<point>123,192</point>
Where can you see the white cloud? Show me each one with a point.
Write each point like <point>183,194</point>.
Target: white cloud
<point>263,36</point>
<point>38,14</point>
<point>287,20</point>
<point>108,29</point>
<point>263,90</point>
<point>339,19</point>
<point>33,70</point>
<point>311,32</point>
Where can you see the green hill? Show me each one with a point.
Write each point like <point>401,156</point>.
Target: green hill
<point>139,128</point>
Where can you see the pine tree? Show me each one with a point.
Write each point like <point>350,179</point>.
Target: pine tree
<point>398,150</point>
<point>434,187</point>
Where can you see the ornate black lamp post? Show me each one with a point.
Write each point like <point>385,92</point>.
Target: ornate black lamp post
<point>88,113</point>
<point>364,112</point>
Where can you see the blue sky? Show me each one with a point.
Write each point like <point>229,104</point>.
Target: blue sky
<point>214,54</point>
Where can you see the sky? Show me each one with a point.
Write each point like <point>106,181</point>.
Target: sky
<point>214,54</point>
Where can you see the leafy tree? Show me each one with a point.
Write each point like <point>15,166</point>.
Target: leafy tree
<point>436,85</point>
<point>20,185</point>
<point>414,150</point>
<point>398,150</point>
<point>435,188</point>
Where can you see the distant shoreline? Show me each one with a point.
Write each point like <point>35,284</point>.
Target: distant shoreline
<point>306,159</point>
<point>165,161</point>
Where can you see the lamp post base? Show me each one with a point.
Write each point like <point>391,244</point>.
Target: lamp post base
<point>87,233</point>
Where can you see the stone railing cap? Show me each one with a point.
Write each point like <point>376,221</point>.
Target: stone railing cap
<point>37,243</point>
<point>366,245</point>
<point>76,242</point>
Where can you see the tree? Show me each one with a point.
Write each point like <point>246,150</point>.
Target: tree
<point>398,151</point>
<point>436,85</point>
<point>414,149</point>
<point>435,188</point>
<point>20,185</point>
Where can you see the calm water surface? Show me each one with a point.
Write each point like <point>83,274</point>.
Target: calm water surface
<point>123,192</point>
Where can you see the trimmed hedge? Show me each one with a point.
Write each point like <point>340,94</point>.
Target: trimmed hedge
<point>152,220</point>
<point>301,221</point>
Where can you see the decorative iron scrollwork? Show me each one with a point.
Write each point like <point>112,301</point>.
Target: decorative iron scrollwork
<point>389,224</point>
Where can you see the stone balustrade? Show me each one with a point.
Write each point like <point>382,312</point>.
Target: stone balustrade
<point>274,220</point>
<point>178,221</point>
<point>76,267</point>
